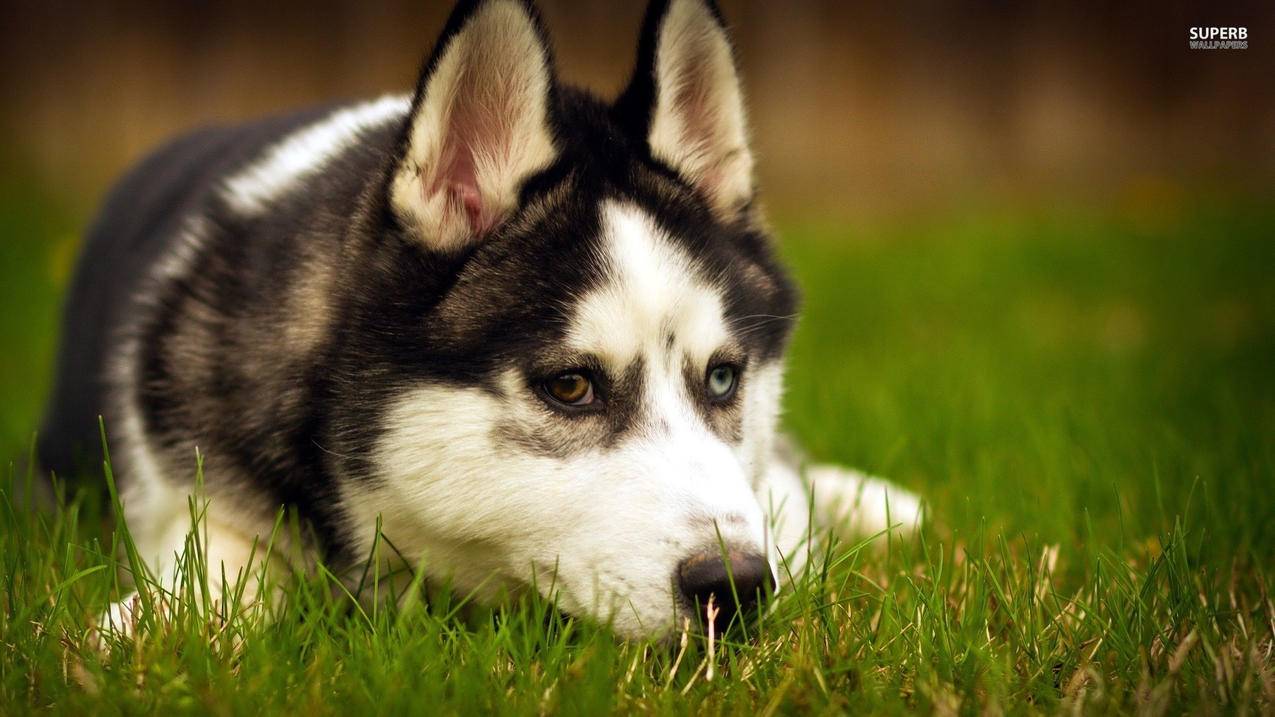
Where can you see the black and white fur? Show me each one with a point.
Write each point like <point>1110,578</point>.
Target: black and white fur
<point>353,312</point>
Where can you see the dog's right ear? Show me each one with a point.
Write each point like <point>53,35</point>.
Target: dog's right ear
<point>479,126</point>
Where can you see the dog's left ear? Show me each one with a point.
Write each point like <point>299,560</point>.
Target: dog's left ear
<point>685,101</point>
<point>480,124</point>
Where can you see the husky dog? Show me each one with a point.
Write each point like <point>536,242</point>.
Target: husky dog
<point>534,336</point>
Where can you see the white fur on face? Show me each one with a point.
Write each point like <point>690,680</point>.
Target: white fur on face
<point>607,526</point>
<point>653,292</point>
<point>304,153</point>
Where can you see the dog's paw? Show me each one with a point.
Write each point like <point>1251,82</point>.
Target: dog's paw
<point>861,503</point>
<point>120,618</point>
<point>118,622</point>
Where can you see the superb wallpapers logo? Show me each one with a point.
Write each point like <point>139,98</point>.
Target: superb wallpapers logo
<point>1218,38</point>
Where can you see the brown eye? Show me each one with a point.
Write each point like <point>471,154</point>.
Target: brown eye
<point>573,389</point>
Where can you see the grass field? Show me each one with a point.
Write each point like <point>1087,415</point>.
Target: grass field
<point>1085,397</point>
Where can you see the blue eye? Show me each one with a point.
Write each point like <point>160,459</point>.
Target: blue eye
<point>721,381</point>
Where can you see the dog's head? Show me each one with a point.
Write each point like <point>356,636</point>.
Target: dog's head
<point>575,350</point>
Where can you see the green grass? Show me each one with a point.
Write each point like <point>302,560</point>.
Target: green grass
<point>1084,397</point>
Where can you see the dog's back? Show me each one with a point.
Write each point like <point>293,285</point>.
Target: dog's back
<point>135,230</point>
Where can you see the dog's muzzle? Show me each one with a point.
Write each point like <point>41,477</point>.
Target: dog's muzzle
<point>736,583</point>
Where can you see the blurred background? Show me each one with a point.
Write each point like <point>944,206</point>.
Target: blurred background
<point>856,107</point>
<point>1036,238</point>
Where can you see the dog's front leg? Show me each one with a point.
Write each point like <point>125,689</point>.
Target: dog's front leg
<point>786,502</point>
<point>802,502</point>
<point>224,557</point>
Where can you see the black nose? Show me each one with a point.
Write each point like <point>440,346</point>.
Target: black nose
<point>736,582</point>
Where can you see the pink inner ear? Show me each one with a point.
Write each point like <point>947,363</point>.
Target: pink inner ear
<point>459,179</point>
<point>459,174</point>
<point>466,195</point>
